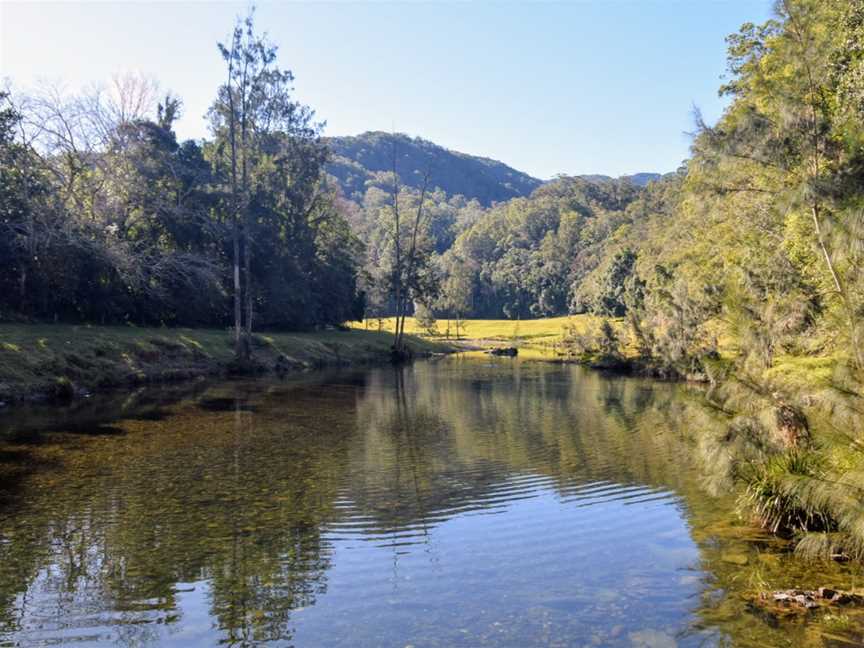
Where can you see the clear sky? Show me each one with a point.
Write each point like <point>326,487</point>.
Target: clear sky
<point>597,86</point>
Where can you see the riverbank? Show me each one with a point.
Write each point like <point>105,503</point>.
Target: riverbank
<point>548,339</point>
<point>55,361</point>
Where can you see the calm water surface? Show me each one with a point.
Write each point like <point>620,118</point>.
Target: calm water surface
<point>453,503</point>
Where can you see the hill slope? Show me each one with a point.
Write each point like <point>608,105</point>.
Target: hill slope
<point>362,158</point>
<point>638,179</point>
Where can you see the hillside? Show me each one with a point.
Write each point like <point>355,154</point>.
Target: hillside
<point>638,179</point>
<point>360,159</point>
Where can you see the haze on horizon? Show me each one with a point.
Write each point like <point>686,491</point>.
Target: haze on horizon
<point>579,88</point>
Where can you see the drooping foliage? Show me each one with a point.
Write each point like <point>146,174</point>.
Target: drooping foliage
<point>760,258</point>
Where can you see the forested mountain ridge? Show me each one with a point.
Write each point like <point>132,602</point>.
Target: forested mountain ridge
<point>358,161</point>
<point>639,179</point>
<point>525,257</point>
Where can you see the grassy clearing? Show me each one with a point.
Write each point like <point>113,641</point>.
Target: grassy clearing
<point>59,360</point>
<point>544,332</point>
<point>541,337</point>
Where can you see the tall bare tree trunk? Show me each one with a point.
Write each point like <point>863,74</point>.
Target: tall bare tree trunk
<point>412,257</point>
<point>238,313</point>
<point>244,189</point>
<point>235,229</point>
<point>854,338</point>
<point>397,272</point>
<point>247,270</point>
<point>23,286</point>
<point>817,226</point>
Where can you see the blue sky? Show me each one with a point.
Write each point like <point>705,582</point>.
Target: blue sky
<point>597,86</point>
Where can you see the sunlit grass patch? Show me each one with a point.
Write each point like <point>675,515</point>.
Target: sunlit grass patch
<point>195,343</point>
<point>803,371</point>
<point>546,330</point>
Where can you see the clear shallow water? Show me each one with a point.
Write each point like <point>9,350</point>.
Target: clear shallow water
<point>452,503</point>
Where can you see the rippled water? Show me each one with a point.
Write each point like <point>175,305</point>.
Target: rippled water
<point>452,503</point>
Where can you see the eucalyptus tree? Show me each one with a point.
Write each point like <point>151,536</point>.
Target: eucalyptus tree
<point>264,141</point>
<point>409,250</point>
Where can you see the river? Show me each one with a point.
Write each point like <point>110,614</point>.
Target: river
<point>458,502</point>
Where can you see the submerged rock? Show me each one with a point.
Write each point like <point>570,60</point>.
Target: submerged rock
<point>796,601</point>
<point>505,351</point>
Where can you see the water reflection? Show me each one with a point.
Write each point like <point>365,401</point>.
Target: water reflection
<point>458,503</point>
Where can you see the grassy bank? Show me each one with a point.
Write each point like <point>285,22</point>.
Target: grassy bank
<point>63,360</point>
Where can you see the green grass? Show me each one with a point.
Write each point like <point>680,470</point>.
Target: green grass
<point>44,359</point>
<point>803,372</point>
<point>533,332</point>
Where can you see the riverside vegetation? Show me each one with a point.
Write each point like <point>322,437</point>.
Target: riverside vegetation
<point>743,269</point>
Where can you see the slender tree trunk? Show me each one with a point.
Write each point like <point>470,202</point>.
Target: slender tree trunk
<point>411,259</point>
<point>397,273</point>
<point>23,286</point>
<point>854,338</point>
<point>247,270</point>
<point>235,229</point>
<point>244,190</point>
<point>814,212</point>
<point>405,303</point>
<point>238,312</point>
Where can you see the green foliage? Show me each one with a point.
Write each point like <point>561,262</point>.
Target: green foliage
<point>620,286</point>
<point>598,344</point>
<point>527,256</point>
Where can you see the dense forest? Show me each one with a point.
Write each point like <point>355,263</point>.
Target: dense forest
<point>757,239</point>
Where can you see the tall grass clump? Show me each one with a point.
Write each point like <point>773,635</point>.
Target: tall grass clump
<point>776,493</point>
